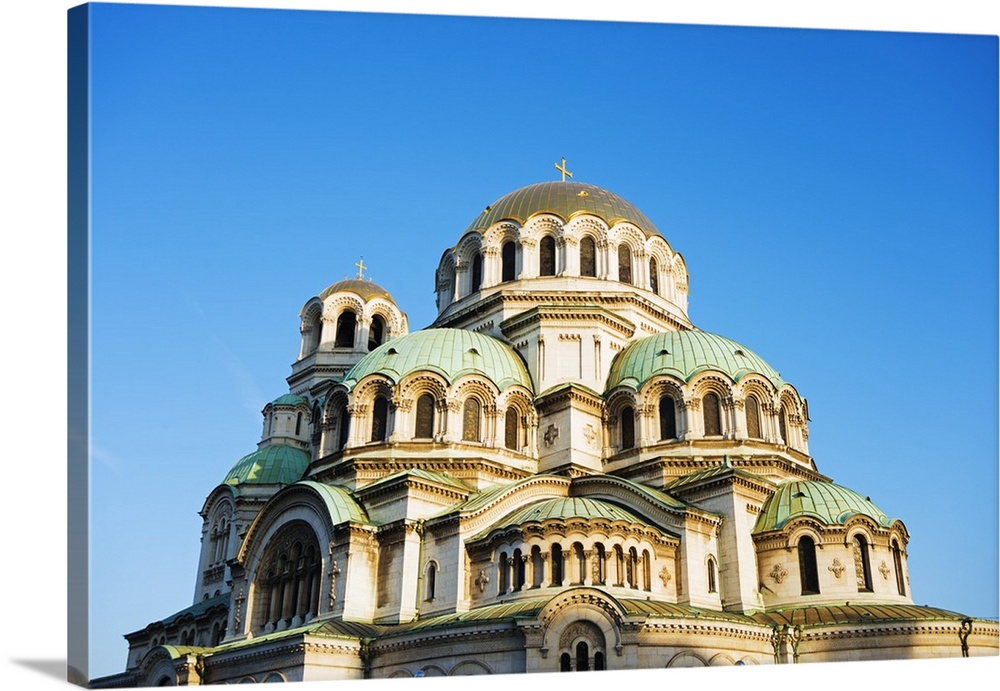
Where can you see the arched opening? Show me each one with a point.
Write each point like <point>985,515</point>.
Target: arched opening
<point>557,564</point>
<point>376,332</point>
<point>298,424</point>
<point>582,657</point>
<point>287,581</point>
<point>668,417</point>
<point>537,567</point>
<point>624,264</point>
<point>580,570</point>
<point>588,257</point>
<point>627,427</point>
<point>897,562</point>
<point>477,272</point>
<point>808,573</point>
<point>862,566</point>
<point>508,255</point>
<point>654,278</point>
<point>315,331</point>
<point>380,419</point>
<point>424,423</point>
<point>503,580</point>
<point>510,430</point>
<point>429,581</point>
<point>346,324</point>
<point>601,568</point>
<point>565,663</point>
<point>712,587</point>
<point>547,256</point>
<point>598,661</point>
<point>470,420</point>
<point>619,566</point>
<point>711,414</point>
<point>753,418</point>
<point>342,419</point>
<point>783,425</point>
<point>631,568</point>
<point>647,581</point>
<point>518,568</point>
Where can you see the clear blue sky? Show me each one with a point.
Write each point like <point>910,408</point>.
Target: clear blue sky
<point>834,194</point>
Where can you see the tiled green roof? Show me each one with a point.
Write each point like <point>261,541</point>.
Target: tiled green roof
<point>564,199</point>
<point>563,509</point>
<point>684,354</point>
<point>198,608</point>
<point>288,399</point>
<point>270,465</point>
<point>451,353</point>
<point>853,614</point>
<point>339,502</point>
<point>828,503</point>
<point>713,472</point>
<point>366,290</point>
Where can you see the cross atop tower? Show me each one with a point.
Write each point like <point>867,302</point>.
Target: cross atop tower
<point>361,268</point>
<point>561,167</point>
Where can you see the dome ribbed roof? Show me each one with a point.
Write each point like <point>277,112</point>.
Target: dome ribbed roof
<point>366,290</point>
<point>684,354</point>
<point>271,465</point>
<point>826,502</point>
<point>564,199</point>
<point>289,399</point>
<point>564,509</point>
<point>451,353</point>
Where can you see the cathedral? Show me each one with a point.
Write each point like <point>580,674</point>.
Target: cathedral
<point>561,473</point>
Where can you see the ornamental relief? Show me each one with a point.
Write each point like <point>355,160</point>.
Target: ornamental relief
<point>778,573</point>
<point>837,568</point>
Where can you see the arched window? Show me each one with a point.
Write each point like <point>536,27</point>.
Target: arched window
<point>470,420</point>
<point>710,411</point>
<point>510,430</point>
<point>424,425</point>
<point>782,425</point>
<point>619,566</point>
<point>753,418</point>
<point>503,582</point>
<point>565,662</point>
<point>547,256</point>
<point>346,323</point>
<point>668,418</point>
<point>862,566</point>
<point>477,271</point>
<point>298,424</point>
<point>808,573</point>
<point>518,568</point>
<point>654,278</point>
<point>647,581</point>
<point>288,580</point>
<point>508,255</point>
<point>624,264</point>
<point>712,587</point>
<point>897,561</point>
<point>631,567</point>
<point>588,257</point>
<point>582,657</point>
<point>598,661</point>
<point>380,419</point>
<point>342,419</point>
<point>376,333</point>
<point>316,334</point>
<point>430,581</point>
<point>537,567</point>
<point>627,427</point>
<point>557,564</point>
<point>580,570</point>
<point>601,570</point>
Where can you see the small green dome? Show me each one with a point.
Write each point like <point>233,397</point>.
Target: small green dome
<point>289,399</point>
<point>564,509</point>
<point>684,354</point>
<point>828,503</point>
<point>271,465</point>
<point>564,199</point>
<point>366,290</point>
<point>451,353</point>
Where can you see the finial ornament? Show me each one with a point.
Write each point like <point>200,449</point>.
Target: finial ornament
<point>361,268</point>
<point>561,167</point>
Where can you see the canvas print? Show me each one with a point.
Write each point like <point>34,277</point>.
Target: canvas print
<point>436,346</point>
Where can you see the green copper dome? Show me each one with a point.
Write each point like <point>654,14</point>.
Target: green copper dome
<point>366,290</point>
<point>685,354</point>
<point>271,465</point>
<point>451,353</point>
<point>564,199</point>
<point>826,502</point>
<point>564,509</point>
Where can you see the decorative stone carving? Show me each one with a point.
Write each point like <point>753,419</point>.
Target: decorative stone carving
<point>884,570</point>
<point>665,576</point>
<point>590,434</point>
<point>481,580</point>
<point>778,573</point>
<point>837,568</point>
<point>239,609</point>
<point>334,572</point>
<point>551,434</point>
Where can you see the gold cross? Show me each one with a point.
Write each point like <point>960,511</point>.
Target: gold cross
<point>562,169</point>
<point>361,267</point>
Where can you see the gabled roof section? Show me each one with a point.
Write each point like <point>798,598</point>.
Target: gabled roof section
<point>339,502</point>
